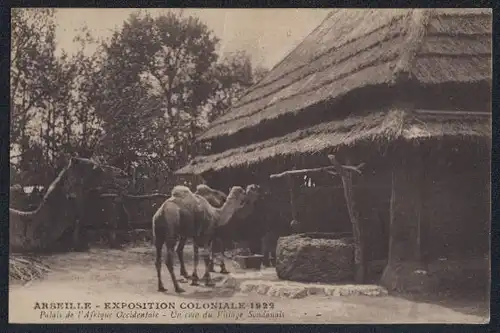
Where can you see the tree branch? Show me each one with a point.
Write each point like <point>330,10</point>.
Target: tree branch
<point>337,165</point>
<point>300,172</point>
<point>135,197</point>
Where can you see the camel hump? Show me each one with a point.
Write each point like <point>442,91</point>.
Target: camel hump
<point>168,209</point>
<point>203,188</point>
<point>184,198</point>
<point>214,197</point>
<point>181,191</point>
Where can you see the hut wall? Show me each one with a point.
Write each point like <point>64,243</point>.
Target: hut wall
<point>439,209</point>
<point>456,205</point>
<point>322,209</point>
<point>456,209</point>
<point>372,195</point>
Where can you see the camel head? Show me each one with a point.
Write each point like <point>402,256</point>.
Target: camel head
<point>251,196</point>
<point>236,197</point>
<point>234,203</point>
<point>93,174</point>
<point>252,193</point>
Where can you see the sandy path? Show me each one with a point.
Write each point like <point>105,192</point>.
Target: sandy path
<point>102,276</point>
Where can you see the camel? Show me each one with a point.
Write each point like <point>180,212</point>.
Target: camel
<point>216,198</point>
<point>34,230</point>
<point>185,215</point>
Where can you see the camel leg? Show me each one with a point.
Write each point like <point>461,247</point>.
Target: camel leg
<point>266,260</point>
<point>211,264</point>
<point>265,251</point>
<point>223,269</point>
<point>212,260</point>
<point>159,245</point>
<point>194,277</point>
<point>220,258</point>
<point>170,265</point>
<point>206,259</point>
<point>180,254</point>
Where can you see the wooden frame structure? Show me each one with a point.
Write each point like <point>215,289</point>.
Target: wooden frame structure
<point>345,173</point>
<point>118,202</point>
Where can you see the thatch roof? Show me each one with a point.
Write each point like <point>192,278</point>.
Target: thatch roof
<point>355,48</point>
<point>380,127</point>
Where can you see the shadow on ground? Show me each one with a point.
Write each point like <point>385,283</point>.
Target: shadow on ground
<point>475,303</point>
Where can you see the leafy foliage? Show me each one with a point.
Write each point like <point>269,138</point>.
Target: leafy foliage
<point>138,101</point>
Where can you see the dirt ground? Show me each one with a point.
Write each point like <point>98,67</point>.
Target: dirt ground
<point>104,275</point>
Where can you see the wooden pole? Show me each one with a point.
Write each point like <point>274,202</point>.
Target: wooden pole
<point>418,164</point>
<point>314,170</point>
<point>359,258</point>
<point>135,197</point>
<point>76,205</point>
<point>292,197</point>
<point>117,202</point>
<point>404,258</point>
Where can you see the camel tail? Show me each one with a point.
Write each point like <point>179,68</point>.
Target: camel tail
<point>153,231</point>
<point>159,225</point>
<point>155,225</point>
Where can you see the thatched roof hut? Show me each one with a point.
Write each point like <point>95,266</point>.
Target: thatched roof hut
<point>358,77</point>
<point>417,81</point>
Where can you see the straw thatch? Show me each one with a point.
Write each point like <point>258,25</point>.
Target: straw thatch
<point>377,127</point>
<point>355,48</point>
<point>25,269</point>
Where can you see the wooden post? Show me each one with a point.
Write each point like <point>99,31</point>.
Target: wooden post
<point>126,215</point>
<point>359,257</point>
<point>292,197</point>
<point>418,209</point>
<point>77,203</point>
<point>134,178</point>
<point>117,202</point>
<point>76,206</point>
<point>405,270</point>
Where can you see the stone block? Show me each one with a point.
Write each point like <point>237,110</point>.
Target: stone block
<point>304,258</point>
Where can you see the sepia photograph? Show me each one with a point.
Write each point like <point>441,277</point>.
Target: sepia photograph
<point>271,166</point>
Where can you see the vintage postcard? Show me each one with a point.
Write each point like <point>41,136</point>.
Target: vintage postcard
<point>313,166</point>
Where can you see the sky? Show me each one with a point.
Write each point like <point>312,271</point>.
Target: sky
<point>267,35</point>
